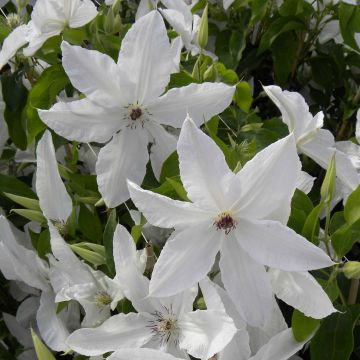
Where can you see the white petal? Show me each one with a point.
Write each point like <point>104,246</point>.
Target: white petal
<point>124,157</point>
<point>205,333</point>
<point>83,12</point>
<point>82,120</point>
<point>246,282</point>
<point>140,354</point>
<point>12,43</point>
<point>52,330</point>
<point>273,244</point>
<point>351,149</point>
<point>26,312</point>
<point>227,3</point>
<point>280,347</point>
<point>21,334</point>
<point>301,291</point>
<point>139,57</point>
<point>295,112</point>
<point>305,182</point>
<point>357,130</point>
<point>55,202</point>
<point>19,263</point>
<point>211,296</point>
<point>178,266</point>
<point>268,181</point>
<point>120,331</point>
<point>93,73</point>
<point>176,46</point>
<point>199,101</point>
<point>163,145</point>
<point>145,6</point>
<point>203,168</point>
<point>164,212</point>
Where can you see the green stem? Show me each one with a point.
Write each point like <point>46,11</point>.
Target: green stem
<point>353,292</point>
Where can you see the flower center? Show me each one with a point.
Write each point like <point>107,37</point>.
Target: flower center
<point>164,326</point>
<point>135,113</point>
<point>225,222</point>
<point>103,299</point>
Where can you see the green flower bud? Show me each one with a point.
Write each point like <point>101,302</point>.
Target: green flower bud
<point>351,270</point>
<point>203,33</point>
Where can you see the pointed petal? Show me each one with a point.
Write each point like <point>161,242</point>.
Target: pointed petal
<point>321,149</point>
<point>140,354</point>
<point>305,182</point>
<point>301,291</point>
<point>273,244</point>
<point>55,202</point>
<point>268,181</point>
<point>120,331</point>
<point>139,57</point>
<point>199,101</point>
<point>93,73</point>
<point>164,212</point>
<point>205,332</point>
<point>52,330</point>
<point>83,12</point>
<point>295,112</point>
<point>239,272</point>
<point>178,266</point>
<point>82,120</point>
<point>280,347</point>
<point>163,145</point>
<point>12,43</point>
<point>203,168</point>
<point>21,334</point>
<point>124,157</point>
<point>20,263</point>
<point>176,47</point>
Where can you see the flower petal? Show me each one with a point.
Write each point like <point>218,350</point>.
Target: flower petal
<point>21,334</point>
<point>52,330</point>
<point>301,291</point>
<point>124,157</point>
<point>246,282</point>
<point>305,182</point>
<point>203,168</point>
<point>140,354</point>
<point>199,101</point>
<point>120,331</point>
<point>103,85</point>
<point>82,13</point>
<point>163,145</point>
<point>280,347</point>
<point>204,333</point>
<point>273,244</point>
<point>12,43</point>
<point>268,181</point>
<point>164,212</point>
<point>139,57</point>
<point>55,202</point>
<point>178,266</point>
<point>82,120</point>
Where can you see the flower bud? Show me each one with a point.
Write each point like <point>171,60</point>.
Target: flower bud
<point>116,6</point>
<point>203,33</point>
<point>352,270</point>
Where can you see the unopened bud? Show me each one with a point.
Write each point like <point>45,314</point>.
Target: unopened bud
<point>116,6</point>
<point>352,270</point>
<point>203,33</point>
<point>210,74</point>
<point>13,20</point>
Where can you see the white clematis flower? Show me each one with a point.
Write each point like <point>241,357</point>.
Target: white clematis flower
<point>48,18</point>
<point>125,105</point>
<point>311,139</point>
<point>243,215</point>
<point>168,324</point>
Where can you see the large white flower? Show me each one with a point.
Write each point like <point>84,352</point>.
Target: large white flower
<point>168,324</point>
<point>243,215</point>
<point>311,139</point>
<point>48,18</point>
<point>125,105</point>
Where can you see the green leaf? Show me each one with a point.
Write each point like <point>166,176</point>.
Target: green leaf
<point>303,326</point>
<point>12,185</point>
<point>335,339</point>
<point>243,96</point>
<point>90,225</point>
<point>24,201</point>
<point>277,27</point>
<point>311,227</point>
<point>178,187</point>
<point>170,167</point>
<point>32,215</point>
<point>42,96</point>
<point>349,18</point>
<point>42,352</point>
<point>344,238</point>
<point>15,97</point>
<point>108,240</point>
<point>258,9</point>
<point>93,255</point>
<point>352,207</point>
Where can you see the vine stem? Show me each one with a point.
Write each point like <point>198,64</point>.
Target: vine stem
<point>353,292</point>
